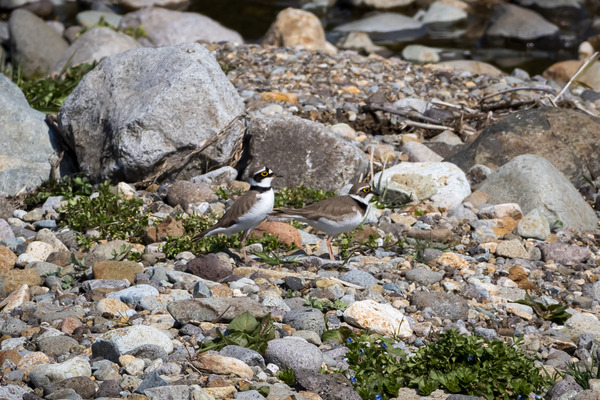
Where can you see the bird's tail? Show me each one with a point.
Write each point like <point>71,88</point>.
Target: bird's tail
<point>200,235</point>
<point>284,214</point>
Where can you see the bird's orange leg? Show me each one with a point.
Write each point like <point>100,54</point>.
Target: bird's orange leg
<point>329,239</point>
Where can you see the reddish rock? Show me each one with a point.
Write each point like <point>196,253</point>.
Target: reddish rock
<point>210,267</point>
<point>7,259</point>
<point>170,227</point>
<point>284,233</point>
<point>69,324</point>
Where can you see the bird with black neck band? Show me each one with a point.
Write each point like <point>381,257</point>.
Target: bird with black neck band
<point>248,211</point>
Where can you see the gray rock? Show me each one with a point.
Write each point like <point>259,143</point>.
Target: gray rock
<point>55,346</point>
<point>424,276</point>
<point>150,351</point>
<point>165,27</point>
<point>358,277</point>
<point>117,342</point>
<point>94,45</point>
<point>108,388</point>
<point>563,386</point>
<point>90,18</point>
<point>5,230</point>
<point>219,176</point>
<point>28,143</point>
<point>532,132</point>
<point>45,374</point>
<point>14,392</point>
<point>295,353</point>
<point>534,225</point>
<point>209,309</point>
<point>329,387</point>
<point>174,392</point>
<point>533,182</point>
<point>249,395</point>
<point>510,21</point>
<point>292,144</point>
<point>184,193</point>
<point>386,27</point>
<point>133,138</point>
<point>111,284</point>
<point>135,295</point>
<point>201,290</point>
<point>82,385</point>
<point>309,319</point>
<point>12,326</point>
<point>35,46</point>
<point>153,380</point>
<point>250,357</point>
<point>445,305</point>
<point>563,253</point>
<point>382,4</point>
<point>440,13</point>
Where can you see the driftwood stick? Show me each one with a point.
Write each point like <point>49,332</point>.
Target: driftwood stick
<point>537,89</point>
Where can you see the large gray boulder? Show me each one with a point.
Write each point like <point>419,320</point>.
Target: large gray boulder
<point>570,138</point>
<point>304,152</point>
<point>386,27</point>
<point>513,22</point>
<point>533,182</point>
<point>28,145</point>
<point>143,107</point>
<point>167,27</point>
<point>34,45</point>
<point>94,45</point>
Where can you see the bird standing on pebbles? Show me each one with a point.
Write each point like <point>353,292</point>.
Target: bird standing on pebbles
<point>248,211</point>
<point>334,215</point>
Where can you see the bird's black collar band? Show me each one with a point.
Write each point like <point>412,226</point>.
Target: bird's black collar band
<point>260,189</point>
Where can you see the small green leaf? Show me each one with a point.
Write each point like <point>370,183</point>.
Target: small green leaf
<point>244,322</point>
<point>333,335</point>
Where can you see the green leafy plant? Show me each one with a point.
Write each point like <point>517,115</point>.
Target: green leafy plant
<point>347,243</point>
<point>48,94</point>
<point>111,215</point>
<point>554,312</point>
<point>458,364</point>
<point>126,252</point>
<point>583,371</point>
<point>246,331</point>
<point>287,376</point>
<point>325,305</point>
<point>68,187</point>
<point>299,197</point>
<point>275,258</point>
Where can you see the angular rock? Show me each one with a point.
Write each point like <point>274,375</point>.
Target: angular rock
<point>295,353</point>
<point>512,249</point>
<point>169,392</point>
<point>563,253</point>
<point>16,278</point>
<point>209,309</point>
<point>133,138</point>
<point>292,144</point>
<point>209,266</point>
<point>534,225</point>
<point>28,143</point>
<point>546,132</point>
<point>35,46</point>
<point>223,365</point>
<point>46,374</point>
<point>165,27</point>
<point>170,227</point>
<point>7,259</point>
<point>328,387</point>
<point>533,182</point>
<point>94,45</point>
<point>377,317</point>
<point>294,27</point>
<point>358,277</point>
<point>118,342</point>
<point>116,270</point>
<point>248,356</point>
<point>514,22</point>
<point>306,319</point>
<point>445,305</point>
<point>442,182</point>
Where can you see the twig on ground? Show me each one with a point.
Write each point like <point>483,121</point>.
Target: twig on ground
<point>580,71</point>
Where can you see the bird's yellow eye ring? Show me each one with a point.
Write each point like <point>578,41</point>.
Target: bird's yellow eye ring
<point>264,173</point>
<point>367,189</point>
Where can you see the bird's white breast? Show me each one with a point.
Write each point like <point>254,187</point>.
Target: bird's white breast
<point>259,211</point>
<point>332,228</point>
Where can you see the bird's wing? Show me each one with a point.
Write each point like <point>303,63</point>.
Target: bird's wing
<point>241,206</point>
<point>337,207</point>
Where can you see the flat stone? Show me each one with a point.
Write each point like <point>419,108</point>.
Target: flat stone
<point>377,317</point>
<point>445,305</point>
<point>209,309</point>
<point>118,342</point>
<point>295,353</point>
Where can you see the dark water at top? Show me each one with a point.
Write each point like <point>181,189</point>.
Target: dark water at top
<point>252,18</point>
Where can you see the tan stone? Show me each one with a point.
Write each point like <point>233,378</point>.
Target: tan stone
<point>512,249</point>
<point>16,278</point>
<point>377,317</point>
<point>221,291</point>
<point>11,355</point>
<point>114,307</point>
<point>475,67</point>
<point>517,273</point>
<point>116,270</point>
<point>452,260</point>
<point>222,392</point>
<point>31,360</point>
<point>15,299</point>
<point>7,259</point>
<point>170,227</point>
<point>477,198</point>
<point>279,96</point>
<point>223,365</point>
<point>294,27</point>
<point>284,233</point>
<point>562,72</point>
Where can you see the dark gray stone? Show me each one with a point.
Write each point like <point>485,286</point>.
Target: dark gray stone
<point>110,388</point>
<point>424,276</point>
<point>329,387</point>
<point>55,346</point>
<point>151,381</point>
<point>210,267</point>
<point>294,144</point>
<point>149,351</point>
<point>82,385</point>
<point>358,277</point>
<point>563,386</point>
<point>309,319</point>
<point>209,309</point>
<point>445,305</point>
<point>250,357</point>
